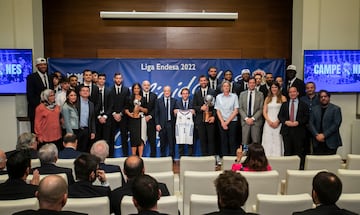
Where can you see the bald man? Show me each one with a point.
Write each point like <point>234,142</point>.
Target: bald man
<point>52,197</point>
<point>2,163</point>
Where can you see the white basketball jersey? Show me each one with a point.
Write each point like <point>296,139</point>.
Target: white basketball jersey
<point>184,127</point>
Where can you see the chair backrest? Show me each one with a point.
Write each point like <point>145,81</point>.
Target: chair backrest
<point>191,163</point>
<point>227,161</point>
<point>350,180</point>
<point>283,163</point>
<point>63,175</point>
<point>91,206</point>
<point>161,164</point>
<point>282,204</point>
<point>198,183</point>
<point>3,178</point>
<point>299,181</point>
<point>349,201</point>
<point>35,163</point>
<point>68,163</point>
<point>12,206</point>
<point>330,162</point>
<point>114,179</point>
<point>166,204</point>
<point>353,161</point>
<point>166,178</point>
<point>116,161</point>
<point>203,204</point>
<point>265,182</point>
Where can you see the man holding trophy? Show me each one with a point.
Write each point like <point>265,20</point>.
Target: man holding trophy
<point>203,103</point>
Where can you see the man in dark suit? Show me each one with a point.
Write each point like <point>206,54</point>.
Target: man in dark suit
<point>18,167</point>
<point>35,84</point>
<point>324,124</point>
<point>327,189</point>
<point>265,87</point>
<point>293,81</point>
<point>243,82</point>
<point>52,197</point>
<point>103,121</point>
<point>48,155</point>
<point>214,81</point>
<point>87,127</point>
<point>118,97</point>
<point>93,89</point>
<point>294,115</point>
<point>70,146</point>
<point>205,127</point>
<point>234,86</point>
<point>165,122</point>
<point>150,98</point>
<point>133,167</point>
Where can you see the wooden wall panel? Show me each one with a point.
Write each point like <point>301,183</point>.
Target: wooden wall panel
<point>74,29</point>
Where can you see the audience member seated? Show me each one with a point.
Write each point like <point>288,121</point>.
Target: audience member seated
<point>326,190</point>
<point>101,150</point>
<point>255,160</point>
<point>26,141</point>
<point>133,167</point>
<point>232,190</point>
<point>2,163</point>
<point>70,146</point>
<point>86,172</point>
<point>18,166</point>
<point>52,196</point>
<point>146,193</point>
<point>48,155</point>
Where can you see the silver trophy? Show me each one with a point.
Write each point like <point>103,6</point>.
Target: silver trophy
<point>137,104</point>
<point>209,101</point>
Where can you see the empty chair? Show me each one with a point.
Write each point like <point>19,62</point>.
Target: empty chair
<point>349,201</point>
<point>330,162</point>
<point>227,161</point>
<point>114,179</point>
<point>350,180</point>
<point>12,206</point>
<point>166,204</point>
<point>198,183</point>
<point>265,182</point>
<point>161,164</point>
<point>68,163</point>
<point>202,204</point>
<point>299,181</point>
<point>353,161</point>
<point>282,204</point>
<point>166,178</point>
<point>35,163</point>
<point>190,163</point>
<point>91,206</point>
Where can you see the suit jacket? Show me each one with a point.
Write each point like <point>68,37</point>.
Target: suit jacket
<point>302,117</point>
<point>106,101</point>
<point>91,120</point>
<point>125,190</point>
<point>217,81</point>
<point>94,95</point>
<point>263,88</point>
<point>47,212</point>
<point>325,210</point>
<point>117,102</point>
<point>49,168</point>
<point>241,83</point>
<point>179,104</point>
<point>151,105</point>
<point>198,101</point>
<point>13,189</point>
<point>230,212</point>
<point>85,189</point>
<point>258,107</point>
<point>69,153</point>
<point>160,111</point>
<point>33,153</point>
<point>300,86</point>
<point>108,168</point>
<point>330,125</point>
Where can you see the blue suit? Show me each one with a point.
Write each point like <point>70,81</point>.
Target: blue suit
<point>69,153</point>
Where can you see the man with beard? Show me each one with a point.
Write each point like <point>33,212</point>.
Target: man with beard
<point>293,81</point>
<point>243,82</point>
<point>268,81</point>
<point>214,81</point>
<point>234,86</point>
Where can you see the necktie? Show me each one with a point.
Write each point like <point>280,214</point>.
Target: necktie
<point>168,109</point>
<point>147,97</point>
<point>245,86</point>
<point>292,109</point>
<point>185,106</point>
<point>250,102</point>
<point>118,90</point>
<point>213,85</point>
<point>45,82</point>
<point>289,85</point>
<point>101,100</point>
<point>203,93</point>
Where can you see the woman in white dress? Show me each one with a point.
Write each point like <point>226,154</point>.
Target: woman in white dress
<point>271,139</point>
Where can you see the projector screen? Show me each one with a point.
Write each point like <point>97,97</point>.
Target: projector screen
<point>333,70</point>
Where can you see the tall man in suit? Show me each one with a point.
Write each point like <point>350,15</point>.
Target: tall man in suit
<point>234,86</point>
<point>324,124</point>
<point>93,89</point>
<point>250,109</point>
<point>243,82</point>
<point>294,115</point>
<point>103,121</point>
<point>150,98</point>
<point>268,81</point>
<point>293,81</point>
<point>87,127</point>
<point>205,127</point>
<point>165,122</point>
<point>214,81</point>
<point>35,84</point>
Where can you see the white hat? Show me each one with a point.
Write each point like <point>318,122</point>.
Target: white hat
<point>291,67</point>
<point>244,71</point>
<point>40,60</point>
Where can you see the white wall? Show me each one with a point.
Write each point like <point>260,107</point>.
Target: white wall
<point>329,24</point>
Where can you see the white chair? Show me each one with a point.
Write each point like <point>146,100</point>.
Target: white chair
<point>161,164</point>
<point>190,163</point>
<point>350,180</point>
<point>198,183</point>
<point>63,175</point>
<point>68,163</point>
<point>202,204</point>
<point>282,204</point>
<point>299,181</point>
<point>166,178</point>
<point>166,204</point>
<point>3,178</point>
<point>116,161</point>
<point>91,206</point>
<point>330,162</point>
<point>114,179</point>
<point>35,163</point>
<point>12,206</point>
<point>349,201</point>
<point>265,182</point>
<point>227,161</point>
<point>353,161</point>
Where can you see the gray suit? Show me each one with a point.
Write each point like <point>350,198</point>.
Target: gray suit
<point>255,129</point>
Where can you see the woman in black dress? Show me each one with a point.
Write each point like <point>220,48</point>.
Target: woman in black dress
<point>135,110</point>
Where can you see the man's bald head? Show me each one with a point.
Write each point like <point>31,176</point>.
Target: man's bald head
<point>52,192</point>
<point>133,166</point>
<point>2,160</point>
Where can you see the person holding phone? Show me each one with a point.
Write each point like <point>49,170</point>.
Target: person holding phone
<point>255,160</point>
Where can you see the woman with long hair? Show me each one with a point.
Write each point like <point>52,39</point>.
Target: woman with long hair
<point>255,159</point>
<point>70,113</point>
